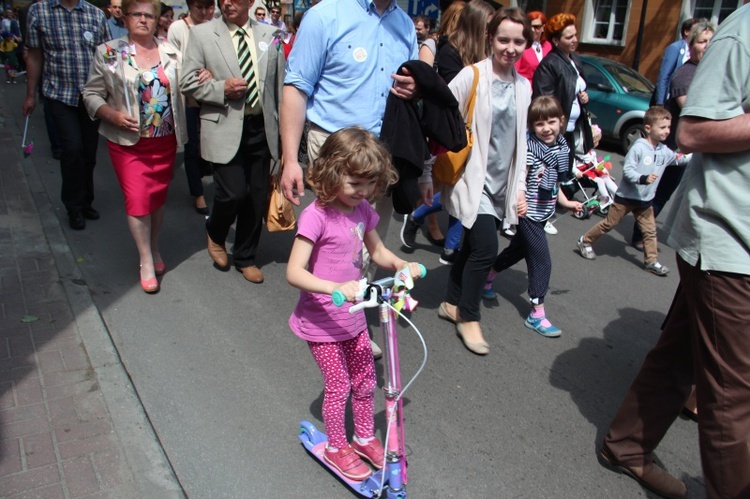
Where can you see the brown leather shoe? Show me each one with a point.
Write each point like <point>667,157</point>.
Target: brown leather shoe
<point>218,252</point>
<point>651,476</point>
<point>251,273</point>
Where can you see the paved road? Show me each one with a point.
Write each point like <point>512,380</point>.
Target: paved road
<point>224,382</point>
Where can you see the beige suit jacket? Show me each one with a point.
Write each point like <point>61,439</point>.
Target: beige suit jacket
<point>104,86</point>
<point>210,46</point>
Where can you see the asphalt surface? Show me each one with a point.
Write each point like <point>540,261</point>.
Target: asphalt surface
<point>224,382</point>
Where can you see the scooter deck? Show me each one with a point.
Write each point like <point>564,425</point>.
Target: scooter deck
<point>315,443</point>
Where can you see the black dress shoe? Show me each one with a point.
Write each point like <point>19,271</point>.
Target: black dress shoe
<point>202,210</point>
<point>90,213</point>
<point>76,221</point>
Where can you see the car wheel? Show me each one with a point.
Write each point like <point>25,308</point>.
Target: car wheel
<point>631,134</point>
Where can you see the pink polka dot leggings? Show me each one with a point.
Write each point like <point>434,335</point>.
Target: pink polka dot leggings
<point>347,366</point>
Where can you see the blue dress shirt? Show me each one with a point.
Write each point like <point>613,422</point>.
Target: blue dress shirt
<point>343,58</point>
<point>116,29</point>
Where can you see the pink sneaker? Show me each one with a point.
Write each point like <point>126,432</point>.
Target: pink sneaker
<point>373,451</point>
<point>348,463</point>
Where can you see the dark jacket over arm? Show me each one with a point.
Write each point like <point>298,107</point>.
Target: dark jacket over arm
<point>407,124</point>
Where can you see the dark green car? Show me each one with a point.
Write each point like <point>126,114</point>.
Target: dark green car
<point>618,98</point>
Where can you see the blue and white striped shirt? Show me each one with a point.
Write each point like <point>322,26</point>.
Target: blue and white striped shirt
<point>68,39</point>
<point>546,166</point>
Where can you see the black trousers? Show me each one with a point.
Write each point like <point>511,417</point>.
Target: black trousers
<point>241,193</point>
<point>469,272</point>
<point>79,138</point>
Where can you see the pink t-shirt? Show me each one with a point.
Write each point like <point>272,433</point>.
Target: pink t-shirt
<point>336,256</point>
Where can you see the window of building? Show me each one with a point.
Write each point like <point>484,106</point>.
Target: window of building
<point>715,10</point>
<point>605,21</point>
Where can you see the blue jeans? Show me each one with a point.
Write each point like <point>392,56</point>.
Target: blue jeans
<point>455,229</point>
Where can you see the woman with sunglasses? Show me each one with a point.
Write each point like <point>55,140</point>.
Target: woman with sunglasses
<point>540,47</point>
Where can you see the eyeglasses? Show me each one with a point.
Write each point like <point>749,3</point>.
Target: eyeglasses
<point>537,26</point>
<point>138,15</point>
<point>275,12</point>
<point>260,15</point>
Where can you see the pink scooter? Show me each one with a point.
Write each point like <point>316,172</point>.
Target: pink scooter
<point>390,295</point>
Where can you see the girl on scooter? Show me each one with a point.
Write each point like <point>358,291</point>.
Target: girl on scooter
<point>327,255</point>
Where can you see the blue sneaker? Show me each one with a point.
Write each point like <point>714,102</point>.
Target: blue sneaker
<point>488,293</point>
<point>535,323</point>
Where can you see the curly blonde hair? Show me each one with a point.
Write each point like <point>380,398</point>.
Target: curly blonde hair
<point>354,152</point>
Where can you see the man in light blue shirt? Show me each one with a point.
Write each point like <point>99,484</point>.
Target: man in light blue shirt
<point>340,72</point>
<point>338,75</point>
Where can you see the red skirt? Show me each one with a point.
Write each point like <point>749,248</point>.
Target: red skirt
<point>144,171</point>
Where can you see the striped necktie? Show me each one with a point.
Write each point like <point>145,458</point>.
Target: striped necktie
<point>248,72</point>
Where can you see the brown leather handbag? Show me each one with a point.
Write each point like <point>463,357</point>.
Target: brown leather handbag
<point>449,166</point>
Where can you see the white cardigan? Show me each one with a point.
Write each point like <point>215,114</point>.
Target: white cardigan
<point>462,199</point>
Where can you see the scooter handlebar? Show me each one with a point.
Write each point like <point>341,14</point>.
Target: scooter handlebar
<point>339,298</point>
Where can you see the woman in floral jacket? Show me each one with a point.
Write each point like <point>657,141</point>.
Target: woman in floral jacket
<point>132,88</point>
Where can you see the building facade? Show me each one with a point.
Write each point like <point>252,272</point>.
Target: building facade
<point>625,31</point>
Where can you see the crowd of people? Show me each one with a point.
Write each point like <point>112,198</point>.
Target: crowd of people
<point>242,91</point>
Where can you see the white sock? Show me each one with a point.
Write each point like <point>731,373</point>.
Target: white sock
<point>363,441</point>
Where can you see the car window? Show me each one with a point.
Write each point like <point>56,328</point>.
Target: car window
<point>630,80</point>
<point>594,76</point>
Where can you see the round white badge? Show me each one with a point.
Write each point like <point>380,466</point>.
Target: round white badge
<point>147,77</point>
<point>360,54</point>
<point>88,36</point>
<point>648,160</point>
<point>263,46</point>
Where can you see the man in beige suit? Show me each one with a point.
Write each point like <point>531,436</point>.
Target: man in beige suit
<point>239,124</point>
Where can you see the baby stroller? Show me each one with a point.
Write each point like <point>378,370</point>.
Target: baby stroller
<point>588,174</point>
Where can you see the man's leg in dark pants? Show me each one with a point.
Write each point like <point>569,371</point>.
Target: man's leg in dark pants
<point>241,191</point>
<point>90,135</point>
<point>78,158</point>
<point>52,135</point>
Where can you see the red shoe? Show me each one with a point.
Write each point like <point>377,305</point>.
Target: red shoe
<point>373,451</point>
<point>348,463</point>
<point>159,268</point>
<point>150,285</point>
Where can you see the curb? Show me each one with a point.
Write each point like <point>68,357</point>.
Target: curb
<point>153,474</point>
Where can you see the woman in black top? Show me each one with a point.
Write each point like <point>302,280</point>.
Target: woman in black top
<point>560,75</point>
